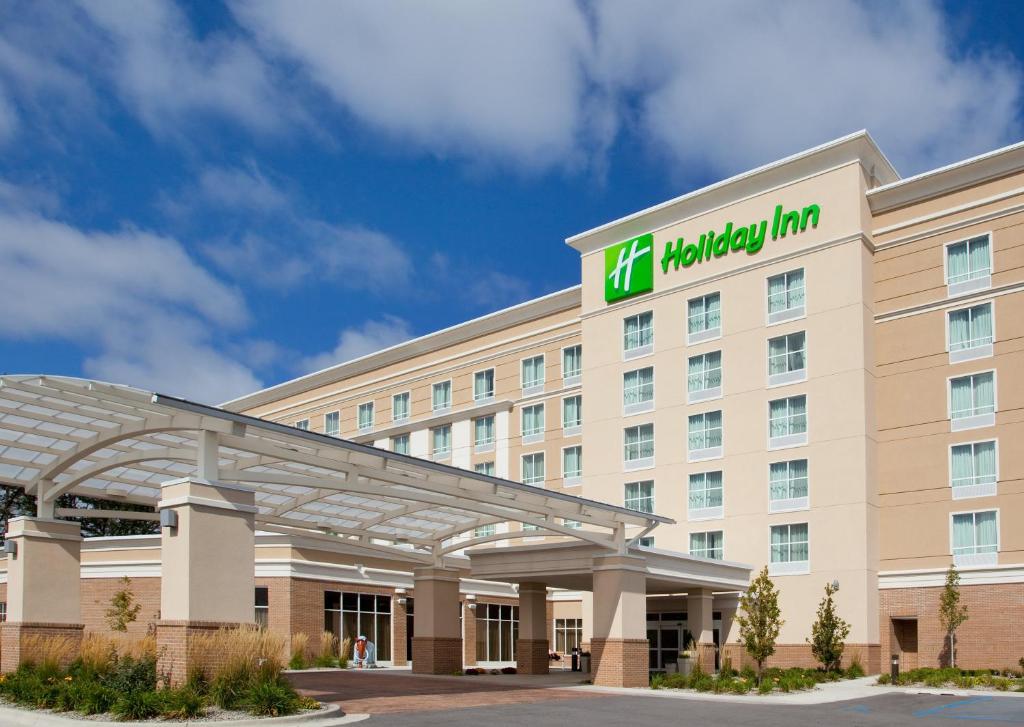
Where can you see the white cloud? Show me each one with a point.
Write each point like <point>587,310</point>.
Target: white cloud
<point>360,340</point>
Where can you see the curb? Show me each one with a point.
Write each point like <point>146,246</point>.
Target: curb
<point>329,717</point>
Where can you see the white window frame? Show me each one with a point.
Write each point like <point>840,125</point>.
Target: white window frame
<point>638,482</point>
<point>968,560</point>
<point>575,480</point>
<point>337,433</point>
<point>792,567</point>
<point>522,469</point>
<point>451,395</point>
<point>789,504</point>
<point>488,446</point>
<point>705,533</point>
<point>494,379</point>
<point>533,437</point>
<point>716,512</point>
<point>707,453</point>
<point>478,465</point>
<point>646,349</point>
<point>641,463</point>
<point>789,314</point>
<point>302,424</point>
<point>785,378</point>
<point>976,421</point>
<point>643,406</point>
<point>408,408</point>
<point>985,489</point>
<point>575,379</point>
<point>710,394</point>
<point>574,429</point>
<point>709,334</point>
<point>438,455</point>
<point>983,282</point>
<point>977,352</point>
<point>408,439</point>
<point>373,416</point>
<point>535,388</point>
<point>787,441</point>
<point>645,541</point>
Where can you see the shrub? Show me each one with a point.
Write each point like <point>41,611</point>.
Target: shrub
<point>675,681</point>
<point>657,680</point>
<point>300,642</point>
<point>182,703</point>
<point>326,653</point>
<point>765,687</point>
<point>748,673</point>
<point>855,670</point>
<point>272,699</point>
<point>884,679</point>
<point>726,668</point>
<point>91,697</point>
<point>508,670</point>
<point>344,653</point>
<point>49,654</point>
<point>228,688</point>
<point>137,705</point>
<point>131,675</point>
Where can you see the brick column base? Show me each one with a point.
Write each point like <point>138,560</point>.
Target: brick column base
<point>436,655</point>
<point>532,656</point>
<point>175,656</point>
<point>706,657</point>
<point>21,642</point>
<point>620,662</point>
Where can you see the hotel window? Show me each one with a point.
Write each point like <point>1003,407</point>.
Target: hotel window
<point>574,524</point>
<point>262,616</point>
<point>572,365</point>
<point>705,501</point>
<point>704,377</point>
<point>332,423</point>
<point>441,441</point>
<point>568,634</point>
<point>704,436</point>
<point>972,401</point>
<point>973,469</point>
<point>790,551</point>
<point>347,615</point>
<point>707,545</point>
<point>533,423</point>
<point>484,531</point>
<point>483,385</point>
<point>533,375</point>
<point>400,407</point>
<point>572,415</point>
<point>968,265</point>
<point>785,296</point>
<point>970,333</point>
<point>3,611</point>
<point>497,628</point>
<point>441,396</point>
<point>638,391</point>
<point>483,434</point>
<point>704,319</point>
<point>975,538</point>
<point>572,465</point>
<point>787,485</point>
<point>400,444</point>
<point>533,469</point>
<point>787,422</point>
<point>365,416</point>
<point>639,446</point>
<point>302,424</point>
<point>787,359</point>
<point>484,468</point>
<point>645,542</point>
<point>640,496</point>
<point>638,334</point>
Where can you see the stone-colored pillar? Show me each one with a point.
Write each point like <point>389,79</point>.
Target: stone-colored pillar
<point>207,568</point>
<point>700,622</point>
<point>399,618</point>
<point>618,647</point>
<point>532,644</point>
<point>43,588</point>
<point>437,638</point>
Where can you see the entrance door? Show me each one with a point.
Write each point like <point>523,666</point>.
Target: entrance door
<point>409,619</point>
<point>665,636</point>
<point>905,636</point>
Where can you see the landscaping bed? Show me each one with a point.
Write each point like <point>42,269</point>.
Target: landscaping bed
<point>951,677</point>
<point>730,681</point>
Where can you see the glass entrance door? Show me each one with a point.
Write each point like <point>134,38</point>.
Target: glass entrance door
<point>665,634</point>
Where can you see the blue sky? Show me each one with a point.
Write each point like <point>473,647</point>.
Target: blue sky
<point>207,198</point>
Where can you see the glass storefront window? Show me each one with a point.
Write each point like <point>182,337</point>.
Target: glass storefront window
<point>347,615</point>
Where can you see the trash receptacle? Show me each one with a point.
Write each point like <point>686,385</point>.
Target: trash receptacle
<point>585,663</point>
<point>576,659</point>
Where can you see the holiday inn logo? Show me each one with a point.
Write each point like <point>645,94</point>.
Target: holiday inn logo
<point>629,268</point>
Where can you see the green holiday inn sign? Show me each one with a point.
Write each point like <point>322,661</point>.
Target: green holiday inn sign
<point>629,265</point>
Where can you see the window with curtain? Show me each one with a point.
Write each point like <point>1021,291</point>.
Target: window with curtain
<point>262,606</point>
<point>787,416</point>
<point>568,634</point>
<point>789,543</point>
<point>639,442</point>
<point>400,444</point>
<point>973,464</point>
<point>638,331</point>
<point>497,629</point>
<point>484,468</point>
<point>707,545</point>
<point>572,411</point>
<point>787,354</point>
<point>704,314</point>
<point>968,260</point>
<point>533,420</point>
<point>441,440</point>
<point>640,496</point>
<point>572,462</point>
<point>704,431</point>
<point>574,524</point>
<point>638,386</point>
<point>332,423</point>
<point>533,469</point>
<point>483,430</point>
<point>786,292</point>
<point>704,372</point>
<point>705,490</point>
<point>365,415</point>
<point>441,395</point>
<point>972,395</point>
<point>533,372</point>
<point>787,480</point>
<point>302,424</point>
<point>484,531</point>
<point>572,361</point>
<point>975,533</point>
<point>645,542</point>
<point>970,327</point>
<point>400,406</point>
<point>483,384</point>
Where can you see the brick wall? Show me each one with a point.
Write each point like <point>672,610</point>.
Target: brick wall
<point>16,642</point>
<point>96,595</point>
<point>790,655</point>
<point>619,662</point>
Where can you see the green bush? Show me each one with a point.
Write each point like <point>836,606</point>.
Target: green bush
<point>182,703</point>
<point>884,679</point>
<point>298,661</point>
<point>272,699</point>
<point>765,687</point>
<point>855,670</point>
<point>657,681</point>
<point>748,673</point>
<point>131,675</point>
<point>742,686</point>
<point>676,681</point>
<point>229,687</point>
<point>138,704</point>
<point>91,697</point>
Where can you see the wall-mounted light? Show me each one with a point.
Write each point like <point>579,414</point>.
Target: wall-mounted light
<point>401,601</point>
<point>11,548</point>
<point>360,568</point>
<point>835,585</point>
<point>169,519</point>
<point>399,591</point>
<point>470,596</point>
<point>471,605</point>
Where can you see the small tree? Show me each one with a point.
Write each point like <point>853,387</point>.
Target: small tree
<point>828,633</point>
<point>952,613</point>
<point>760,619</point>
<point>123,608</point>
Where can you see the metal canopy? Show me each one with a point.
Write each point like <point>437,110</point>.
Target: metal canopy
<point>61,434</point>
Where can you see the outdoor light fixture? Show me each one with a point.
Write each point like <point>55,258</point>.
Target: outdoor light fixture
<point>169,519</point>
<point>401,601</point>
<point>835,585</point>
<point>360,568</point>
<point>471,605</point>
<point>11,548</point>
